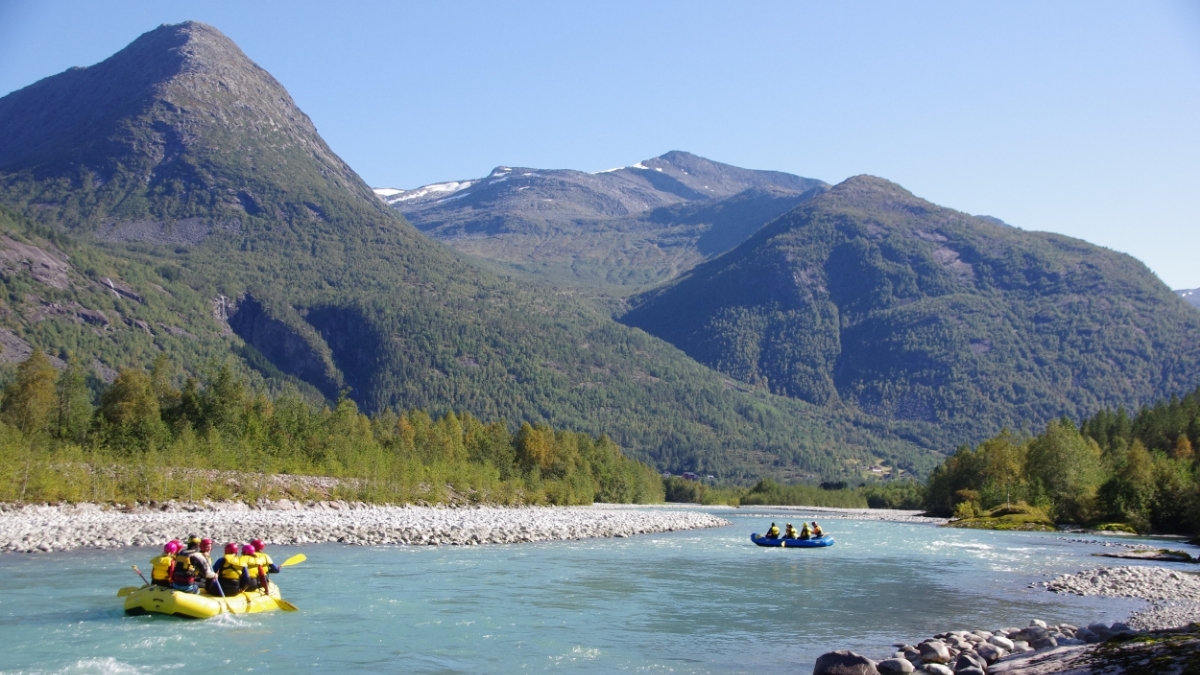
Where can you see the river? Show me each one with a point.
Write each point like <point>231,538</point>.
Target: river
<point>704,601</point>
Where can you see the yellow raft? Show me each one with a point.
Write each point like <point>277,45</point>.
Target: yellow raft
<point>160,600</point>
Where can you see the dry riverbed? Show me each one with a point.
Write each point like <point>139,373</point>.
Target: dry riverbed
<point>65,527</point>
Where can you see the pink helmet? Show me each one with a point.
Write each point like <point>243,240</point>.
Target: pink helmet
<point>171,547</point>
<point>258,544</point>
<point>248,549</point>
<point>230,548</point>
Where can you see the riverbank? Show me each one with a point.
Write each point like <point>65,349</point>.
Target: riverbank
<point>32,529</point>
<point>1165,630</point>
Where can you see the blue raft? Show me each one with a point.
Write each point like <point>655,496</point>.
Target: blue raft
<point>814,542</point>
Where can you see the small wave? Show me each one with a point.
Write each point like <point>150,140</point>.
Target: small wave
<point>955,544</point>
<point>106,665</point>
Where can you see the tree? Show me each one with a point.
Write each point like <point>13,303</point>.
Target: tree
<point>31,400</point>
<point>129,410</point>
<point>74,400</point>
<point>1183,449</point>
<point>1065,467</point>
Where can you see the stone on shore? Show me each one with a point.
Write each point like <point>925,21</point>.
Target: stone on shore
<point>844,662</point>
<point>937,669</point>
<point>895,665</point>
<point>934,651</point>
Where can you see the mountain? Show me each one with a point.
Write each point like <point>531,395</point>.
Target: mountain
<point>1192,296</point>
<point>173,199</point>
<point>870,297</point>
<point>630,226</point>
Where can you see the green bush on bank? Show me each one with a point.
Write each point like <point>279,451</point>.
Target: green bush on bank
<point>218,439</point>
<point>767,492</point>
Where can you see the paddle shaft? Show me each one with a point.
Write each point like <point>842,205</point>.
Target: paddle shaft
<point>139,573</point>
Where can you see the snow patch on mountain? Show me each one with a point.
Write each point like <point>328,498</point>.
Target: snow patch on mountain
<point>395,196</point>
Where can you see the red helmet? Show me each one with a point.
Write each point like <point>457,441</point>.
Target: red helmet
<point>206,544</point>
<point>258,544</point>
<point>171,547</point>
<point>230,548</point>
<point>248,549</point>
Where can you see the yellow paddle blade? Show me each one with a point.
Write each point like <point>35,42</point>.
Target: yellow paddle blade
<point>126,590</point>
<point>294,560</point>
<point>286,606</point>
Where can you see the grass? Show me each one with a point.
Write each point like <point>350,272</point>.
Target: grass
<point>1015,517</point>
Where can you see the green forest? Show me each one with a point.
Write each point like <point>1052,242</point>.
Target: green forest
<point>216,437</point>
<point>1113,471</point>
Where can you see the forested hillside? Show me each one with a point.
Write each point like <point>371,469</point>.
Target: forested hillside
<point>1140,471</point>
<point>870,297</point>
<point>172,199</point>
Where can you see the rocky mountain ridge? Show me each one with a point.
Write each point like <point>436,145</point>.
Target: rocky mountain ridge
<point>633,225</point>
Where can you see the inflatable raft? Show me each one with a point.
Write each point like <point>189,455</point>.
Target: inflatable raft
<point>160,600</point>
<point>814,542</point>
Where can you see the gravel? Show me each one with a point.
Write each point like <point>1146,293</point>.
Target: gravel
<point>1148,583</point>
<point>64,527</point>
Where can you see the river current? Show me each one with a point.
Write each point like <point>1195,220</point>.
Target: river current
<point>703,601</point>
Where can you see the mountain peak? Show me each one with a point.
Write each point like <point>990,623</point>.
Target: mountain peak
<point>180,106</point>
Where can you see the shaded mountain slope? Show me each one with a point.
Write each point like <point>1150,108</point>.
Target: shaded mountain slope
<point>631,226</point>
<point>187,173</point>
<point>1192,296</point>
<point>869,296</point>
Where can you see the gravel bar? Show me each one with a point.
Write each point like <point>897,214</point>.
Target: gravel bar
<point>60,528</point>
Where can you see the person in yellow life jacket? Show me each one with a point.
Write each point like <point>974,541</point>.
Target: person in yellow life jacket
<point>163,566</point>
<point>789,532</point>
<point>266,566</point>
<point>232,575</point>
<point>805,533</point>
<point>190,566</point>
<point>773,533</point>
<point>253,573</point>
<point>816,530</point>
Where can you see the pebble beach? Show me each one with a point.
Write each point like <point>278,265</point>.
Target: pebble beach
<point>32,529</point>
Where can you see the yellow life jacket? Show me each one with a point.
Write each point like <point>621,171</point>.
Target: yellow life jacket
<point>773,533</point>
<point>161,570</point>
<point>264,562</point>
<point>232,567</point>
<point>804,531</point>
<point>251,563</point>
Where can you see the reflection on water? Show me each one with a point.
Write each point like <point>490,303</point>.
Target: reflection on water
<point>687,602</point>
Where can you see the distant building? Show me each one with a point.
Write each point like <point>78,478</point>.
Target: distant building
<point>688,475</point>
<point>875,469</point>
<point>666,474</point>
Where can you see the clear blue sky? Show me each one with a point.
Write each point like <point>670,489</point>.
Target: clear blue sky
<point>1073,117</point>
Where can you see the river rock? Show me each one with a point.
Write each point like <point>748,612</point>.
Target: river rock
<point>1001,642</point>
<point>990,652</point>
<point>970,670</point>
<point>1047,642</point>
<point>934,651</point>
<point>844,662</point>
<point>896,665</point>
<point>969,659</point>
<point>937,669</point>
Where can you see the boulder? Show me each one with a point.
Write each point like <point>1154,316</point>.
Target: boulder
<point>1001,642</point>
<point>990,652</point>
<point>968,660</point>
<point>970,670</point>
<point>1119,628</point>
<point>844,662</point>
<point>934,651</point>
<point>1039,623</point>
<point>1044,643</point>
<point>937,669</point>
<point>895,666</point>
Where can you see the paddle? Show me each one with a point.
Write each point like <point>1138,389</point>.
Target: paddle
<point>139,573</point>
<point>294,560</point>
<point>220,590</point>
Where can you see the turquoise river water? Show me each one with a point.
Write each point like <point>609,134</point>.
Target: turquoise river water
<point>706,601</point>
